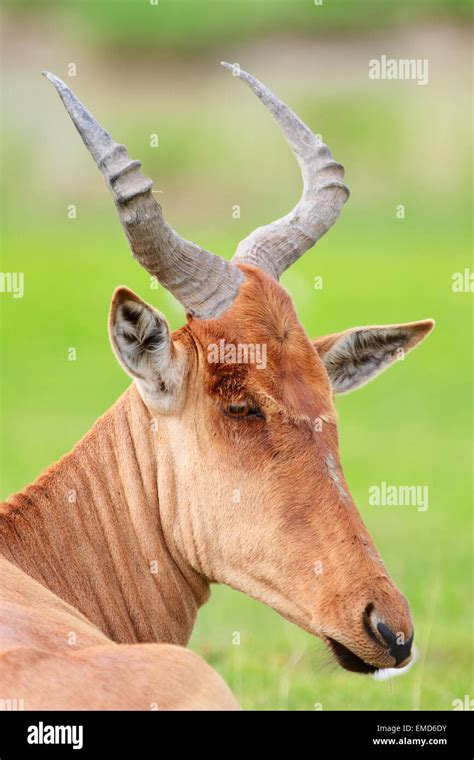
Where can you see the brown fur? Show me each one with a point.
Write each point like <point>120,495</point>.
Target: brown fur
<point>161,488</point>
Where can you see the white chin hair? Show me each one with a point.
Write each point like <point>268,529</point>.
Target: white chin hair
<point>386,673</point>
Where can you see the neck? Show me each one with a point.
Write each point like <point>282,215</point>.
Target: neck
<point>90,530</point>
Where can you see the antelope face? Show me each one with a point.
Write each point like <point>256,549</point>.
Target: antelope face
<point>258,499</point>
<point>250,483</point>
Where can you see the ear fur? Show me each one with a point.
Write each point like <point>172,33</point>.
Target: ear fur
<point>142,343</point>
<point>355,356</point>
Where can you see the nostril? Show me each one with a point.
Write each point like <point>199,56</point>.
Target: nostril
<point>368,610</point>
<point>368,621</point>
<point>399,648</point>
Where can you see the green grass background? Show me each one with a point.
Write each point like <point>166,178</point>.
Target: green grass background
<point>400,143</point>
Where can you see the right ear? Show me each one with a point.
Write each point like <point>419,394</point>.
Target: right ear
<point>142,343</point>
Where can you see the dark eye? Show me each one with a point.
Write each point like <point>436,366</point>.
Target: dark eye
<point>243,410</point>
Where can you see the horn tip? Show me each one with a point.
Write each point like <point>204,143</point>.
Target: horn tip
<point>233,67</point>
<point>53,78</point>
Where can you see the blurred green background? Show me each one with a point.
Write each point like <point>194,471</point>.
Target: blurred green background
<point>153,69</point>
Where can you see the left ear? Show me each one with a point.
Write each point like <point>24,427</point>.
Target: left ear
<point>355,356</point>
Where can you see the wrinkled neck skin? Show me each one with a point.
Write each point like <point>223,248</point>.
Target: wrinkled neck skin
<point>90,529</point>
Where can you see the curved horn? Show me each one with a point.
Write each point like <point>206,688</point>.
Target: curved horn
<point>205,284</point>
<point>279,244</point>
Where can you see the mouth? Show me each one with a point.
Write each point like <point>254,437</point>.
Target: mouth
<point>348,660</point>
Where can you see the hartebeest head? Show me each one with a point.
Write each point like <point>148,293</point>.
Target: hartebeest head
<point>250,484</point>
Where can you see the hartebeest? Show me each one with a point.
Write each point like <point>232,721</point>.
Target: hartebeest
<point>212,471</point>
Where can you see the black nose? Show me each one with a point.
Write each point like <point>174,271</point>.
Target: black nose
<point>399,652</point>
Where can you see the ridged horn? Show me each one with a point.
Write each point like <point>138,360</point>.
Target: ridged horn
<point>278,245</point>
<point>205,284</point>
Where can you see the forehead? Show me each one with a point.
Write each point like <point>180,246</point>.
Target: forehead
<point>259,346</point>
